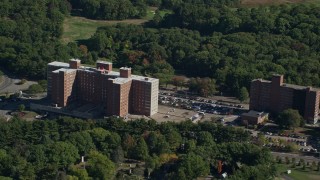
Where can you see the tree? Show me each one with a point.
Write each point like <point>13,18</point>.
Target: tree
<point>174,139</point>
<point>261,139</point>
<point>289,118</point>
<point>205,139</point>
<point>140,151</point>
<point>100,166</point>
<point>62,153</point>
<point>313,165</point>
<point>21,107</point>
<point>82,140</point>
<point>35,88</point>
<point>193,166</point>
<point>203,86</point>
<point>287,160</point>
<point>243,94</point>
<point>178,81</point>
<point>128,143</point>
<point>80,173</point>
<point>292,147</point>
<point>99,135</point>
<point>43,84</point>
<point>117,155</point>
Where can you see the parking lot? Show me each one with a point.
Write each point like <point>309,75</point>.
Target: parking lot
<point>167,113</point>
<point>199,104</point>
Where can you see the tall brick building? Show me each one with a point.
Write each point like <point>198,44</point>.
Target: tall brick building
<point>276,96</point>
<point>119,92</point>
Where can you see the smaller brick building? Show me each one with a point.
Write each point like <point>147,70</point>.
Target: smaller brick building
<point>254,117</point>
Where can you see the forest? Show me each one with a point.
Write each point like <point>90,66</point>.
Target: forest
<point>50,149</point>
<point>218,39</point>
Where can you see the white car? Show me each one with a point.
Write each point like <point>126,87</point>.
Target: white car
<point>201,113</point>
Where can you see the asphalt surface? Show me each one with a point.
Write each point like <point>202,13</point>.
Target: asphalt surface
<point>6,81</point>
<point>297,157</point>
<point>11,85</point>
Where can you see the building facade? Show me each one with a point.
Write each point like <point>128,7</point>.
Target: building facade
<point>120,93</point>
<point>254,117</point>
<point>276,96</point>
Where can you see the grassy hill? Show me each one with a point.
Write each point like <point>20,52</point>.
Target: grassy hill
<point>76,28</point>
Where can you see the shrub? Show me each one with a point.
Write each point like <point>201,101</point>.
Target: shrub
<point>35,88</point>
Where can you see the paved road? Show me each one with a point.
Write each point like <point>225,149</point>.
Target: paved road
<point>6,81</point>
<point>287,177</point>
<point>296,156</point>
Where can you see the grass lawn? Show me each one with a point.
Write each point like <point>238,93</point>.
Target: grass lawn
<point>151,12</point>
<point>298,174</point>
<point>77,28</point>
<point>29,114</point>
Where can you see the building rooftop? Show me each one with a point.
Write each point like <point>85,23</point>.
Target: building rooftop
<point>255,114</point>
<point>103,62</point>
<point>114,74</point>
<point>78,60</point>
<point>143,78</point>
<point>120,80</point>
<point>293,86</point>
<point>57,63</point>
<point>125,68</point>
<point>67,70</point>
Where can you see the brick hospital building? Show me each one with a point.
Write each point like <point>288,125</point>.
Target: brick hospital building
<point>119,92</point>
<point>276,96</point>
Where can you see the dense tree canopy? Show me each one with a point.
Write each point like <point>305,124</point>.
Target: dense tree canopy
<point>233,60</point>
<point>29,35</point>
<point>111,9</point>
<point>47,149</point>
<point>231,45</point>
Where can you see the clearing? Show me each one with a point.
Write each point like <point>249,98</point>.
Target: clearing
<point>76,28</point>
<point>79,28</point>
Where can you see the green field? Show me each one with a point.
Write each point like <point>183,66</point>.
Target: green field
<point>151,12</point>
<point>298,173</point>
<point>78,28</point>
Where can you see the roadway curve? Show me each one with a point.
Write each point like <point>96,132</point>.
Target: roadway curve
<point>6,81</point>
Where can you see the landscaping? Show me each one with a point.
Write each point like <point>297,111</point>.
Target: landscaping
<point>298,172</point>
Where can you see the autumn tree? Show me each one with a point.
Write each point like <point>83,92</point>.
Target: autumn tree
<point>178,81</point>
